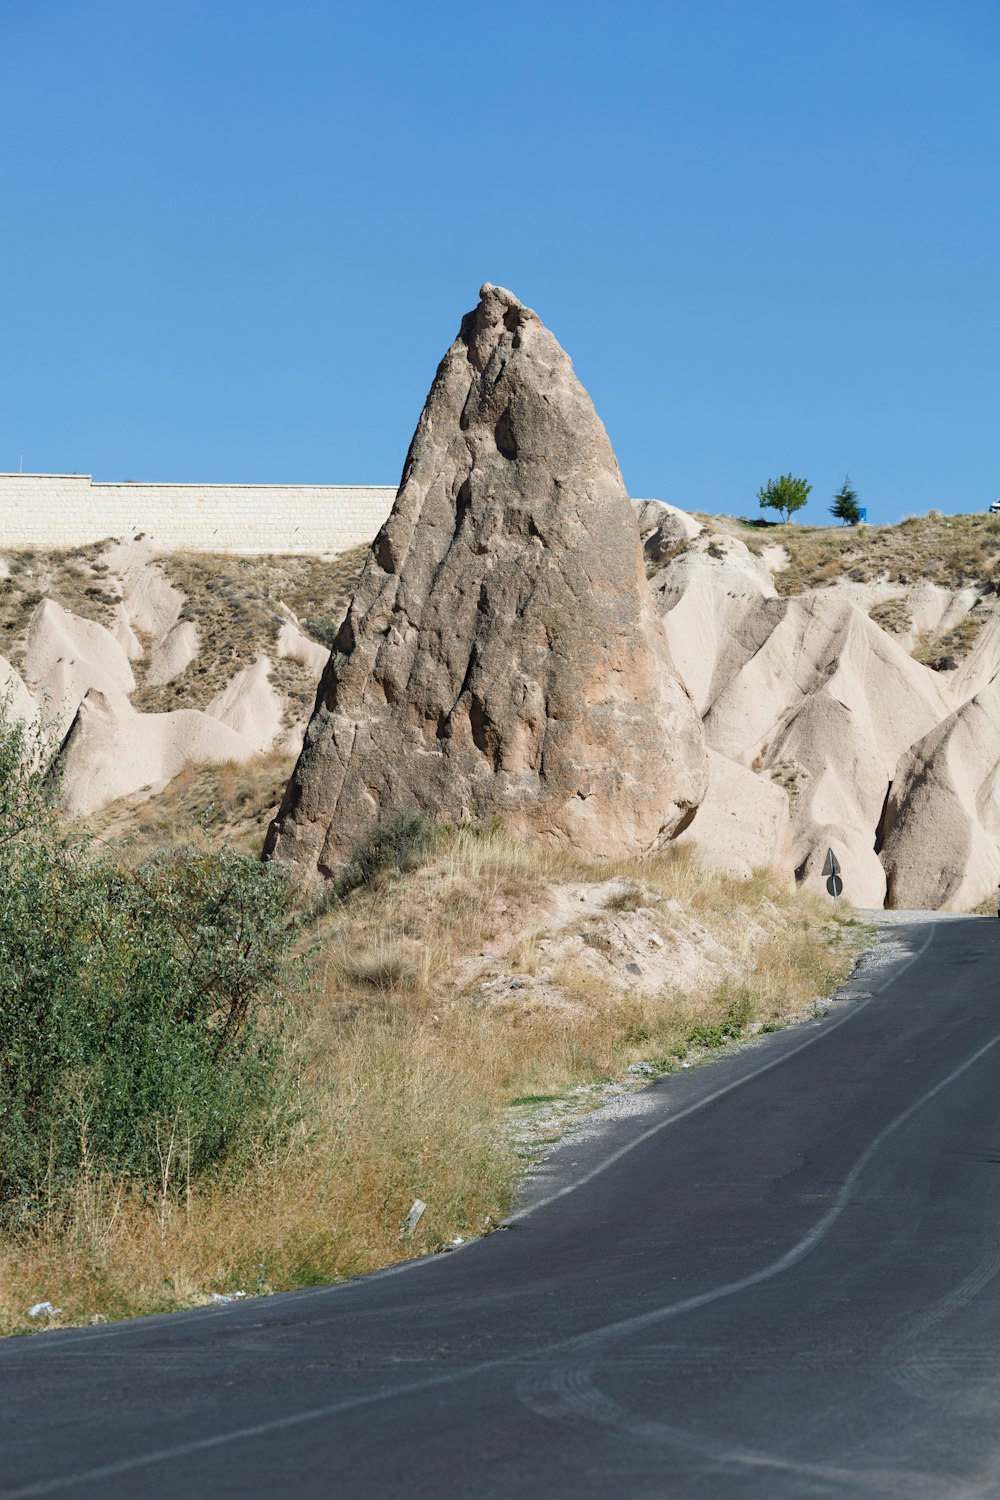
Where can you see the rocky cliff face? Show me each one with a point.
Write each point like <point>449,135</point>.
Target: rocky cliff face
<point>501,657</point>
<point>890,764</point>
<point>942,817</point>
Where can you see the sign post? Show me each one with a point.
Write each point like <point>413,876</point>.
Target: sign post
<point>831,869</point>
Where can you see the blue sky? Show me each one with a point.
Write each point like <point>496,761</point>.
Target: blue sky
<point>237,236</point>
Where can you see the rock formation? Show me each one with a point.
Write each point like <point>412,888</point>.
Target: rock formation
<point>742,825</point>
<point>942,821</point>
<point>663,528</point>
<point>111,751</point>
<point>15,695</point>
<point>807,690</point>
<point>504,657</point>
<point>152,603</point>
<point>250,706</point>
<point>65,656</point>
<point>78,675</point>
<point>295,646</point>
<point>711,596</point>
<point>173,653</point>
<point>501,657</point>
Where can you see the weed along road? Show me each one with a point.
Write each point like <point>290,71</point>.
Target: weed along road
<point>779,1281</point>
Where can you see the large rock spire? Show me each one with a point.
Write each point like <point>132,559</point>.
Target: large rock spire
<point>501,657</point>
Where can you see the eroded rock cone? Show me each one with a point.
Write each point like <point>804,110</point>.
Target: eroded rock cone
<point>942,818</point>
<point>501,657</point>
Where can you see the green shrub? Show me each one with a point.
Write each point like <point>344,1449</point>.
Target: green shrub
<point>397,845</point>
<point>141,1025</point>
<point>323,630</point>
<point>739,1012</point>
<point>28,782</point>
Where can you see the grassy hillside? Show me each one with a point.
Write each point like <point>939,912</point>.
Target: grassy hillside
<point>235,602</point>
<point>953,551</point>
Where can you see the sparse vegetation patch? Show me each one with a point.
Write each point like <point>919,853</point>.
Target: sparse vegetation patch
<point>893,615</point>
<point>76,579</point>
<point>236,605</point>
<point>475,972</point>
<point>953,551</point>
<point>942,651</point>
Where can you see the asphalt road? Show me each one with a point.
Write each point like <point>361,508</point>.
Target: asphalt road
<point>780,1281</point>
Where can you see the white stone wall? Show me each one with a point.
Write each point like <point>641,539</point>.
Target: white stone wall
<point>69,510</point>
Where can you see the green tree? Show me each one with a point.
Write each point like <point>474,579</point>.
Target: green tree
<point>28,784</point>
<point>785,494</point>
<point>845,505</point>
<point>141,1010</point>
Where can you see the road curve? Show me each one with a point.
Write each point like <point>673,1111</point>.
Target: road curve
<point>780,1282</point>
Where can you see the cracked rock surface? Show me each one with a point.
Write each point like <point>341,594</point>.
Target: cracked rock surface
<point>501,657</point>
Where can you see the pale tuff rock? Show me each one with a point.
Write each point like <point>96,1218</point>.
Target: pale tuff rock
<point>806,690</point>
<point>151,601</point>
<point>821,643</point>
<point>942,821</point>
<point>742,825</point>
<point>714,562</point>
<point>125,635</point>
<point>79,676</point>
<point>663,528</point>
<point>930,607</point>
<point>295,646</point>
<point>981,665</point>
<point>250,706</point>
<point>65,656</point>
<point>501,657</point>
<point>829,703</point>
<point>711,597</point>
<point>112,751</point>
<point>15,695</point>
<point>775,557</point>
<point>837,782</point>
<point>173,654</point>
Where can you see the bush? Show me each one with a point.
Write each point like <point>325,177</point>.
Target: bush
<point>322,630</point>
<point>28,783</point>
<point>141,1025</point>
<point>395,846</point>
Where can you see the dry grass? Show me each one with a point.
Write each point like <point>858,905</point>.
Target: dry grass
<point>893,615</point>
<point>953,551</point>
<point>389,1123</point>
<point>75,578</point>
<point>235,602</point>
<point>204,805</point>
<point>943,650</point>
<point>440,999</point>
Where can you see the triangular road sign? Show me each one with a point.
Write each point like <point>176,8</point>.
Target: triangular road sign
<point>832,866</point>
